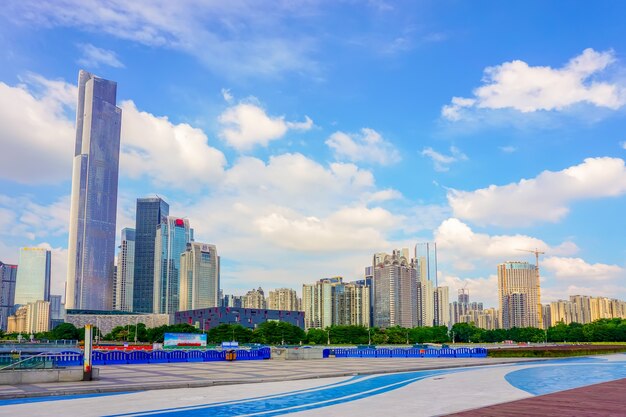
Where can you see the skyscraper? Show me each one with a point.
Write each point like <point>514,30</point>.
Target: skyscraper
<point>331,302</point>
<point>171,241</point>
<point>518,293</point>
<point>33,276</point>
<point>91,247</point>
<point>426,264</point>
<point>199,277</point>
<point>441,306</point>
<point>395,290</point>
<point>151,212</point>
<point>125,271</point>
<point>426,259</point>
<point>8,274</point>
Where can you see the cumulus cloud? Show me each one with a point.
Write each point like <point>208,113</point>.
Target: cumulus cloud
<point>246,125</point>
<point>577,269</point>
<point>37,132</point>
<point>94,57</point>
<point>167,153</point>
<point>543,198</point>
<point>524,88</point>
<point>481,289</point>
<point>366,146</point>
<point>441,161</point>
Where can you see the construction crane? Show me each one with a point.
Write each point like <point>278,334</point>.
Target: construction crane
<point>539,307</point>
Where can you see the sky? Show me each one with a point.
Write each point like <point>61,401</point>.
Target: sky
<point>301,137</point>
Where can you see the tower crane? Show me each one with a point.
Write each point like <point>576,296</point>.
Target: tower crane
<point>539,306</point>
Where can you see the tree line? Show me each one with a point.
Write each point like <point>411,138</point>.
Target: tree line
<point>277,333</point>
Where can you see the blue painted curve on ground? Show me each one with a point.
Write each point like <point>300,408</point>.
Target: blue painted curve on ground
<point>548,379</point>
<point>14,401</point>
<point>299,401</point>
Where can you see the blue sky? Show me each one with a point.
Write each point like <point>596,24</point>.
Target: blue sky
<point>301,137</point>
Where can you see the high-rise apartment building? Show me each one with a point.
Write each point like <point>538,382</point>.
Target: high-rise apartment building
<point>331,302</point>
<point>8,274</point>
<point>91,247</point>
<point>441,306</point>
<point>283,299</point>
<point>230,300</point>
<point>426,265</point>
<point>30,318</point>
<point>255,299</point>
<point>519,295</point>
<point>585,309</point>
<point>172,237</point>
<point>151,212</point>
<point>199,277</point>
<point>124,285</point>
<point>395,290</point>
<point>33,276</point>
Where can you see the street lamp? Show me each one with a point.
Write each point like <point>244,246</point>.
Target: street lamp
<point>328,332</point>
<point>369,335</point>
<point>136,326</point>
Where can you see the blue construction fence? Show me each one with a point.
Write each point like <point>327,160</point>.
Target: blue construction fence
<point>116,357</point>
<point>406,353</point>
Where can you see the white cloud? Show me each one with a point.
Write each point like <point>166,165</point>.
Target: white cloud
<point>94,57</point>
<point>577,269</point>
<point>226,94</point>
<point>519,86</point>
<point>442,162</point>
<point>21,217</point>
<point>246,125</point>
<point>384,195</point>
<point>543,198</point>
<point>169,154</point>
<point>508,149</point>
<point>464,247</point>
<point>623,145</point>
<point>36,130</point>
<point>480,289</point>
<point>368,146</point>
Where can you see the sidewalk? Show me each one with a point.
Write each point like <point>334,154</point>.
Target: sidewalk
<point>122,378</point>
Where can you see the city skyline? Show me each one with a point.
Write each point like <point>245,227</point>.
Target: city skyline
<point>298,166</point>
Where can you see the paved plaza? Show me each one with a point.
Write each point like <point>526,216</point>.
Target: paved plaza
<point>425,388</point>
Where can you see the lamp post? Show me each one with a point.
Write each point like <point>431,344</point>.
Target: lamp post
<point>369,336</point>
<point>136,326</point>
<point>328,334</point>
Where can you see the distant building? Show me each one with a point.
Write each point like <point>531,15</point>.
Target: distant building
<point>33,276</point>
<point>442,306</point>
<point>107,320</point>
<point>283,299</point>
<point>585,309</point>
<point>57,311</point>
<point>208,318</point>
<point>462,306</point>
<point>172,237</point>
<point>91,246</point>
<point>125,272</point>
<point>199,277</point>
<point>395,290</point>
<point>230,300</point>
<point>151,212</point>
<point>487,319</point>
<point>30,318</point>
<point>254,299</point>
<point>426,265</point>
<point>330,302</point>
<point>8,274</point>
<point>519,295</point>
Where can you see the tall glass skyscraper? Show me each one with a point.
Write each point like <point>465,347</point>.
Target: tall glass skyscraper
<point>125,271</point>
<point>151,212</point>
<point>91,248</point>
<point>8,274</point>
<point>171,241</point>
<point>33,276</point>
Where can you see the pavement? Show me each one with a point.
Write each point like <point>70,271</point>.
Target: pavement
<point>426,392</point>
<point>116,378</point>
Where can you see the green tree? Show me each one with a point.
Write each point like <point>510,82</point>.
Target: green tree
<point>316,337</point>
<point>229,332</point>
<point>278,332</point>
<point>65,331</point>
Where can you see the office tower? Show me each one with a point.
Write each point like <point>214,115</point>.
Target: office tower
<point>124,283</point>
<point>33,276</point>
<point>283,299</point>
<point>518,293</point>
<point>199,277</point>
<point>31,318</point>
<point>426,260</point>
<point>331,302</point>
<point>91,248</point>
<point>255,299</point>
<point>57,311</point>
<point>150,213</point>
<point>395,291</point>
<point>441,306</point>
<point>172,237</point>
<point>8,274</point>
<point>232,301</point>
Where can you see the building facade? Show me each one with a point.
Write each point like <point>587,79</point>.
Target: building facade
<point>395,290</point>
<point>283,299</point>
<point>426,265</point>
<point>331,302</point>
<point>441,306</point>
<point>8,275</point>
<point>255,299</point>
<point>199,277</point>
<point>33,276</point>
<point>230,300</point>
<point>172,237</point>
<point>150,213</point>
<point>125,272</point>
<point>208,318</point>
<point>91,247</point>
<point>30,318</point>
<point>585,309</point>
<point>519,295</point>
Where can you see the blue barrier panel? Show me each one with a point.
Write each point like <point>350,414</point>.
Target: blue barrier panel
<point>68,358</point>
<point>195,356</point>
<point>368,353</point>
<point>177,356</point>
<point>338,352</point>
<point>463,353</point>
<point>266,353</point>
<point>399,353</point>
<point>243,355</point>
<point>383,353</point>
<point>138,356</point>
<point>431,353</point>
<point>214,355</point>
<point>325,353</point>
<point>353,353</point>
<point>479,353</point>
<point>115,357</point>
<point>446,353</point>
<point>413,353</point>
<point>158,356</point>
<point>98,358</point>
